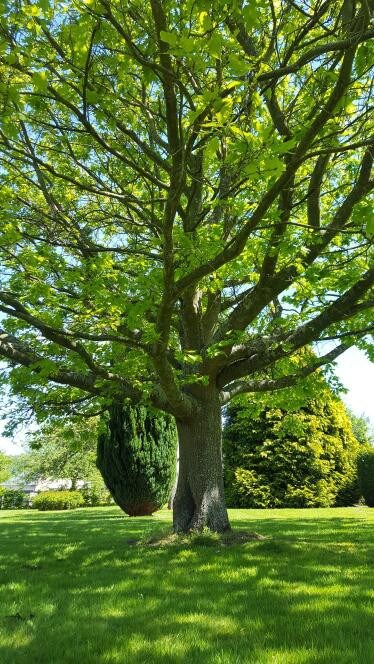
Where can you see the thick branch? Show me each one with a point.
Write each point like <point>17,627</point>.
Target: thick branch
<point>314,191</point>
<point>265,354</point>
<point>270,385</point>
<point>17,352</point>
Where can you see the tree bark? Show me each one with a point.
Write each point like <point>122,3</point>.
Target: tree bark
<point>174,489</point>
<point>199,500</point>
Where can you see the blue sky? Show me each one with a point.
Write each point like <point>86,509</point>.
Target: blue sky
<point>355,371</point>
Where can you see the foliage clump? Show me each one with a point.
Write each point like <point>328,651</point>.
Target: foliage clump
<point>96,496</point>
<point>12,499</point>
<point>137,457</point>
<point>58,500</point>
<point>5,464</point>
<point>64,449</point>
<point>365,466</point>
<point>297,458</point>
<point>362,428</point>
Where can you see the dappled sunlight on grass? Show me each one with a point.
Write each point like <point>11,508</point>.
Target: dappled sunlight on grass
<point>86,586</point>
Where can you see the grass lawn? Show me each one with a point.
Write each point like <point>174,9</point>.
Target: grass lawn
<point>77,587</point>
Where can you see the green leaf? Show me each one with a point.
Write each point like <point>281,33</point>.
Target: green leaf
<point>11,58</point>
<point>370,224</point>
<point>205,21</point>
<point>273,164</point>
<point>40,80</point>
<point>252,170</point>
<point>214,46</point>
<point>92,96</point>
<point>249,13</point>
<point>212,147</point>
<point>238,66</point>
<point>187,44</point>
<point>169,37</point>
<point>31,10</point>
<point>364,57</point>
<point>44,4</point>
<point>286,146</point>
<point>10,130</point>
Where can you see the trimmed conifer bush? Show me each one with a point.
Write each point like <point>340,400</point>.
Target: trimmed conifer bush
<point>365,467</point>
<point>137,456</point>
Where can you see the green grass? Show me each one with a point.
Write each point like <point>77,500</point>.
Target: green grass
<point>78,587</point>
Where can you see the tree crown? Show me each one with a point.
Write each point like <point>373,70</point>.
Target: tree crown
<point>184,196</point>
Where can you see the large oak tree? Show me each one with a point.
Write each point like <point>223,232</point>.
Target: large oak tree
<point>184,206</point>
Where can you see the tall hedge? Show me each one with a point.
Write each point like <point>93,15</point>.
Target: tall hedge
<point>300,458</point>
<point>58,500</point>
<point>365,464</point>
<point>137,458</point>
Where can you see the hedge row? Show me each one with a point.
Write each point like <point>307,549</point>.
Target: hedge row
<point>58,500</point>
<point>11,499</point>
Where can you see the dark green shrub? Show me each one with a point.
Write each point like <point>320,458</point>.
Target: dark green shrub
<point>137,457</point>
<point>365,467</point>
<point>301,458</point>
<point>58,500</point>
<point>12,499</point>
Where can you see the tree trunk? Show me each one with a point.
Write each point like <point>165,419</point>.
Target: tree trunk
<point>174,489</point>
<point>199,500</point>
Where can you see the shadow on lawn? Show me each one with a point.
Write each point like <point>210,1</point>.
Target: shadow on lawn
<point>95,599</point>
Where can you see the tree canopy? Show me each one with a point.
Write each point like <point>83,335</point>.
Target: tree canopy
<point>183,193</point>
<point>362,428</point>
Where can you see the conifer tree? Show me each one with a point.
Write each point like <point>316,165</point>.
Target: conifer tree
<point>136,457</point>
<point>301,457</point>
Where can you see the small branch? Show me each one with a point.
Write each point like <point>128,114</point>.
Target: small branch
<point>337,46</point>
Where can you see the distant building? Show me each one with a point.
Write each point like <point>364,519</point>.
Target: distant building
<point>31,489</point>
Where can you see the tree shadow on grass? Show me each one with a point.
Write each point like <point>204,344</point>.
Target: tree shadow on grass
<point>303,596</point>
